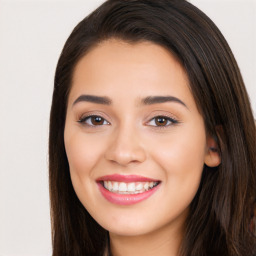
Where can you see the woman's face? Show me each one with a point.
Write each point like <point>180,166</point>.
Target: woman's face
<point>135,141</point>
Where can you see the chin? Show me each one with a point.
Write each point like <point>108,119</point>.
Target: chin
<point>129,231</point>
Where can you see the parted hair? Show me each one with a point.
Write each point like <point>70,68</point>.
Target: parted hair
<point>221,212</point>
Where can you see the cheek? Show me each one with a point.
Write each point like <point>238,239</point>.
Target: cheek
<point>82,156</point>
<point>182,159</point>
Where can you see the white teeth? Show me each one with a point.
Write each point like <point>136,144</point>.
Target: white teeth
<point>129,188</point>
<point>139,186</point>
<point>115,186</point>
<point>110,185</point>
<point>122,187</point>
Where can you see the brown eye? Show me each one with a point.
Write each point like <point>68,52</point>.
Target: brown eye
<point>94,121</point>
<point>97,120</point>
<point>162,121</point>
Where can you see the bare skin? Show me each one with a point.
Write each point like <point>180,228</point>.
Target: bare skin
<point>125,132</point>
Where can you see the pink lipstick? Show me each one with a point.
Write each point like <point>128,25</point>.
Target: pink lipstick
<point>127,189</point>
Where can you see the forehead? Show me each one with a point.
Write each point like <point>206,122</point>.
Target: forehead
<point>122,69</point>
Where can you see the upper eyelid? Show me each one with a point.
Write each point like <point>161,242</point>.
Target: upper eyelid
<point>165,116</point>
<point>163,113</point>
<point>87,115</point>
<point>170,117</point>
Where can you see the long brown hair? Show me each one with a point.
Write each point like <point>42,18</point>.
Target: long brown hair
<point>220,213</point>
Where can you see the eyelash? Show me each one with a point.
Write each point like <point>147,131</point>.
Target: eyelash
<point>170,121</point>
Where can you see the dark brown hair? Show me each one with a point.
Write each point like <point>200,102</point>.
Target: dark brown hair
<point>220,213</point>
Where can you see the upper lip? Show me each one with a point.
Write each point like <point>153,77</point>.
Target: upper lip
<point>125,178</point>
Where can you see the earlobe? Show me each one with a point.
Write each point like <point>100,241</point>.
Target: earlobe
<point>212,155</point>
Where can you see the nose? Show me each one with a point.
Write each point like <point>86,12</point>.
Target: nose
<point>125,147</point>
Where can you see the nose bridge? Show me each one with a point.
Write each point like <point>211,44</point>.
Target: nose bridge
<point>126,145</point>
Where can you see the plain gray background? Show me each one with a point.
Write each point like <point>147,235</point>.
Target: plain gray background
<point>32,34</point>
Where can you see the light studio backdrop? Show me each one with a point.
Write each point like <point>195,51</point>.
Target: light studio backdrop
<point>32,34</point>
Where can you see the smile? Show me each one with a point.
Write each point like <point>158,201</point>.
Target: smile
<point>126,189</point>
<point>129,188</point>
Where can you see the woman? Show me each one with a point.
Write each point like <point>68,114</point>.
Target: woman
<point>152,137</point>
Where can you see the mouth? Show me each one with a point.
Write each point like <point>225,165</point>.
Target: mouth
<point>127,189</point>
<point>130,188</point>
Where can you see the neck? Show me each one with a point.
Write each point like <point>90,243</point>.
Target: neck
<point>165,241</point>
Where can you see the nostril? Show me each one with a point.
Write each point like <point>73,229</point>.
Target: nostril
<point>125,156</point>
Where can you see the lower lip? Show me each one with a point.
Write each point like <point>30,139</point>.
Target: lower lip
<point>126,199</point>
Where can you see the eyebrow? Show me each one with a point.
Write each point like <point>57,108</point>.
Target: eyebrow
<point>162,99</point>
<point>93,99</point>
<point>150,100</point>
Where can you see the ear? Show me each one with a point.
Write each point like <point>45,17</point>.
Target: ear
<point>212,155</point>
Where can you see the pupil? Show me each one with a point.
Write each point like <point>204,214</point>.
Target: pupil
<point>97,120</point>
<point>161,121</point>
